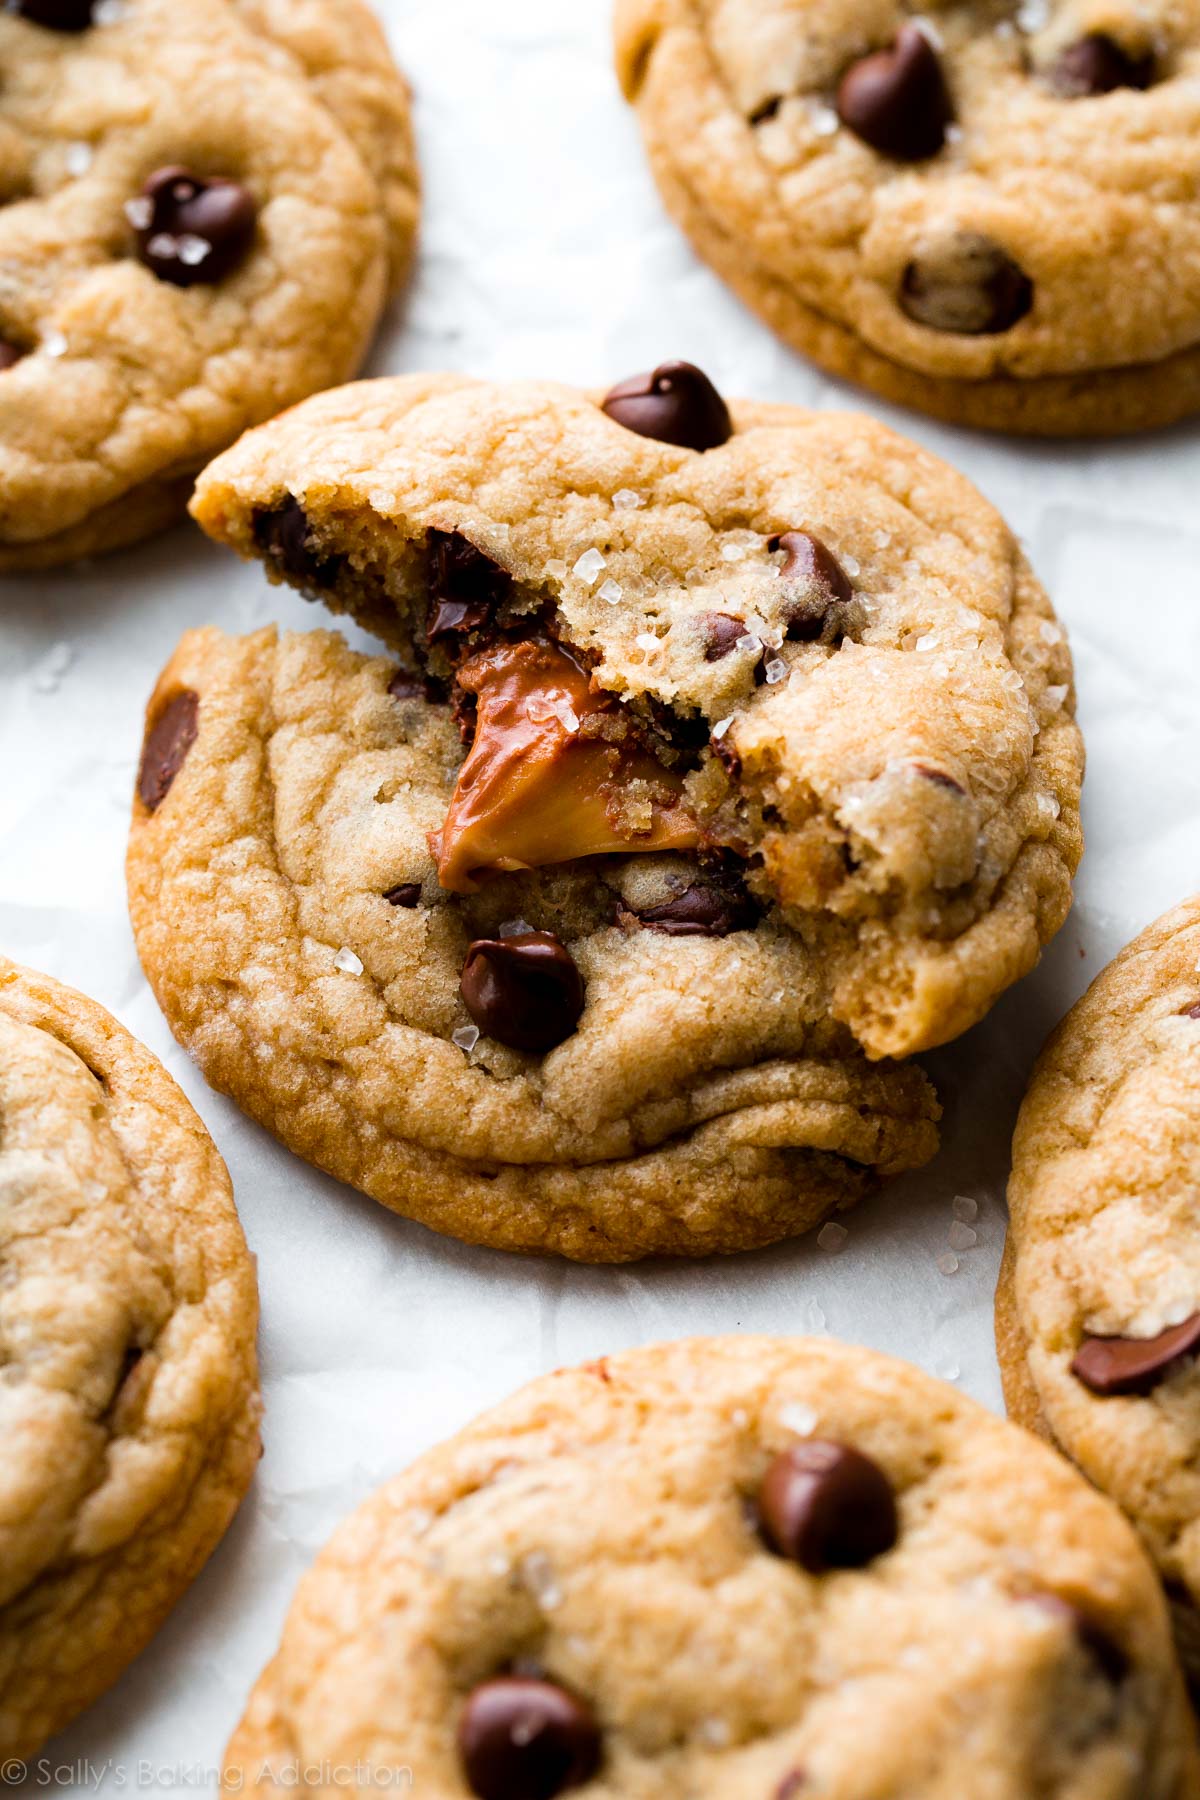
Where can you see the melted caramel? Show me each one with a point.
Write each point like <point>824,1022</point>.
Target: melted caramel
<point>536,790</point>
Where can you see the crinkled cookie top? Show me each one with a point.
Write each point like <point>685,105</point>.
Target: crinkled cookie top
<point>733,1569</point>
<point>830,637</point>
<point>144,324</point>
<point>1104,1244</point>
<point>128,1394</point>
<point>973,191</point>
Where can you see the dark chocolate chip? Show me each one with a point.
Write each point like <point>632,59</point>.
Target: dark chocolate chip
<point>702,911</point>
<point>939,777</point>
<point>816,582</point>
<point>721,634</point>
<point>524,991</point>
<point>9,354</point>
<point>408,894</point>
<point>1097,64</point>
<point>1109,1657</point>
<point>827,1506</point>
<point>406,684</point>
<point>282,534</point>
<point>676,404</point>
<point>1121,1365</point>
<point>168,741</point>
<point>465,586</point>
<point>969,286</point>
<point>896,100</point>
<point>522,1739</point>
<point>196,231</point>
<point>56,15</point>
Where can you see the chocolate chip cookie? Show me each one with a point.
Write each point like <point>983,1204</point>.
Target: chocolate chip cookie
<point>745,1568</point>
<point>989,213</point>
<point>129,1394</point>
<point>1098,1312</point>
<point>207,202</point>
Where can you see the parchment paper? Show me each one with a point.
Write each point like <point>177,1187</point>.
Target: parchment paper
<point>546,252</point>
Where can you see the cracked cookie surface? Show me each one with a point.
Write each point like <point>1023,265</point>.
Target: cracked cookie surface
<point>128,1311</point>
<point>584,1582</point>
<point>833,645</point>
<point>138,336</point>
<point>284,897</point>
<point>986,212</point>
<point>1097,1312</point>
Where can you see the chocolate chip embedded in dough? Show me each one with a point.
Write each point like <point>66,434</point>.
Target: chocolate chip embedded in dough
<point>168,740</point>
<point>56,15</point>
<point>407,895</point>
<point>465,586</point>
<point>1121,1365</point>
<point>702,910</point>
<point>675,403</point>
<point>966,285</point>
<point>283,535</point>
<point>896,100</point>
<point>1097,64</point>
<point>525,991</point>
<point>827,1506</point>
<point>193,231</point>
<point>524,1739</point>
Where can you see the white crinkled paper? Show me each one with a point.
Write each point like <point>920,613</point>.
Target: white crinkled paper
<point>546,252</point>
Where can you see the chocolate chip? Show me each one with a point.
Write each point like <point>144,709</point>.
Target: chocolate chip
<point>521,1739</point>
<point>196,231</point>
<point>165,751</point>
<point>524,991</point>
<point>1121,1365</point>
<point>465,585</point>
<point>815,581</point>
<point>282,534</point>
<point>676,404</point>
<point>1192,1012</point>
<point>896,100</point>
<point>1096,64</point>
<point>702,911</point>
<point>827,1506</point>
<point>9,354</point>
<point>408,894</point>
<point>56,15</point>
<point>721,634</point>
<point>406,684</point>
<point>1110,1658</point>
<point>968,286</point>
<point>939,778</point>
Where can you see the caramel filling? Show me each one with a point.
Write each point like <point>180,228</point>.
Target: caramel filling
<point>541,783</point>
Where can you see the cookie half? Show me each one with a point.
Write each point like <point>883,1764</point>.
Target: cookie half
<point>604,1058</point>
<point>207,203</point>
<point>745,1568</point>
<point>128,1311</point>
<point>985,214</point>
<point>1098,1313</point>
<point>791,640</point>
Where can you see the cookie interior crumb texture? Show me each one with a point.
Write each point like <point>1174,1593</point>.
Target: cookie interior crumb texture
<point>605,1544</point>
<point>1101,1287</point>
<point>129,1391</point>
<point>144,323</point>
<point>981,212</point>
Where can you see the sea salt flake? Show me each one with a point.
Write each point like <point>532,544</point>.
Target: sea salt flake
<point>882,539</point>
<point>555,569</point>
<point>139,211</point>
<point>965,1208</point>
<point>824,120</point>
<point>612,592</point>
<point>626,500</point>
<point>465,1038</point>
<point>1056,698</point>
<point>567,717</point>
<point>748,642</point>
<point>1048,806</point>
<point>852,566</point>
<point>538,1575</point>
<point>831,1237</point>
<point>108,12</point>
<point>1049,633</point>
<point>715,1732</point>
<point>192,249</point>
<point>800,1419</point>
<point>720,728</point>
<point>589,566</point>
<point>733,552</point>
<point>646,640</point>
<point>78,159</point>
<point>54,343</point>
<point>948,1263</point>
<point>962,1237</point>
<point>347,963</point>
<point>775,672</point>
